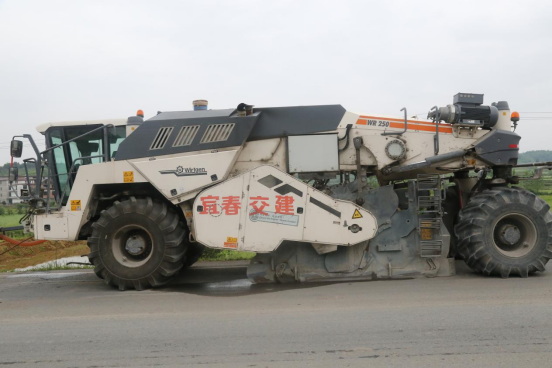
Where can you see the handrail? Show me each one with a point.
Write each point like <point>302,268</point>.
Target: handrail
<point>436,118</point>
<point>405,125</point>
<point>27,176</point>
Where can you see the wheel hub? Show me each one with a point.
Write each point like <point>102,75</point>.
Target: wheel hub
<point>515,235</point>
<point>132,246</point>
<point>509,234</point>
<point>136,245</point>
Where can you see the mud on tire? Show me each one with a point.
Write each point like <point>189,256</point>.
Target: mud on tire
<point>506,231</point>
<point>137,244</point>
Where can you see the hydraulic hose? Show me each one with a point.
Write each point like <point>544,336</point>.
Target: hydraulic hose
<point>21,244</point>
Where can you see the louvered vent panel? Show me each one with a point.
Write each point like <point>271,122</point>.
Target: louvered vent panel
<point>161,138</point>
<point>186,136</point>
<point>217,133</point>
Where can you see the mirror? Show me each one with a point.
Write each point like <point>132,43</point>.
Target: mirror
<point>14,173</point>
<point>16,148</point>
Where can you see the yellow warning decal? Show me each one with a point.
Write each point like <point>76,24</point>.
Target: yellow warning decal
<point>357,214</point>
<point>76,205</point>
<point>231,242</point>
<point>427,234</point>
<point>128,176</point>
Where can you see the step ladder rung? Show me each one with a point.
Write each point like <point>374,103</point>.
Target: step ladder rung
<point>428,182</point>
<point>430,223</point>
<point>429,204</point>
<point>431,248</point>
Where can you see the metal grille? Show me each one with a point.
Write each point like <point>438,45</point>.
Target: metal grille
<point>428,204</point>
<point>186,136</point>
<point>431,248</point>
<point>161,138</point>
<point>217,133</point>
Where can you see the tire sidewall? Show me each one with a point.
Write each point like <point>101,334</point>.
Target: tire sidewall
<point>106,246</point>
<point>533,216</point>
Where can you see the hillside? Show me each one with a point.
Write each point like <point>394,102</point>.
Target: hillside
<point>535,156</point>
<point>5,169</point>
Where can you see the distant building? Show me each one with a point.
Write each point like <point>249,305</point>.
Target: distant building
<point>8,196</point>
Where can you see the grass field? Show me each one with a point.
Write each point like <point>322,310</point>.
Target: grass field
<point>10,220</point>
<point>547,198</point>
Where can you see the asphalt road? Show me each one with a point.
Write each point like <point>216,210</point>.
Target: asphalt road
<point>214,317</point>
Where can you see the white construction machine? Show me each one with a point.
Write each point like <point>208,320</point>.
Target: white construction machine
<point>292,185</point>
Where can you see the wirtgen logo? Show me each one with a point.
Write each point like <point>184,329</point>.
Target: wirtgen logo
<point>185,171</point>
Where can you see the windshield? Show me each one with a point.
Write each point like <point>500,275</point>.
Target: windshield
<point>83,151</point>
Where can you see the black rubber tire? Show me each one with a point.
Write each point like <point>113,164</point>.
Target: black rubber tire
<point>451,208</point>
<point>193,253</point>
<point>476,228</point>
<point>165,231</point>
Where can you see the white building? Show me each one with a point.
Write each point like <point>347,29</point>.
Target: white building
<point>8,196</point>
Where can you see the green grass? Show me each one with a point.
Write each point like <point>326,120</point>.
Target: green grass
<point>59,267</point>
<point>10,220</point>
<point>225,255</point>
<point>547,198</point>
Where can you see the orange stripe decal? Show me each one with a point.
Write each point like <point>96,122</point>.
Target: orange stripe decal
<point>425,126</point>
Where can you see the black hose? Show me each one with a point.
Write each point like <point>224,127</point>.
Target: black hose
<point>346,136</point>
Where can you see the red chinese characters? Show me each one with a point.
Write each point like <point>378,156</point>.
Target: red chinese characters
<point>284,205</point>
<point>209,204</point>
<point>231,205</point>
<point>259,207</point>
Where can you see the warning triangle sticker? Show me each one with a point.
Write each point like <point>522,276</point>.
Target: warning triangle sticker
<point>357,214</point>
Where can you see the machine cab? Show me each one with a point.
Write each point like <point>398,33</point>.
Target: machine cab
<point>87,142</point>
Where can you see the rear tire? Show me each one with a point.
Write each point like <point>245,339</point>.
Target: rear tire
<point>451,207</point>
<point>137,244</point>
<point>505,231</point>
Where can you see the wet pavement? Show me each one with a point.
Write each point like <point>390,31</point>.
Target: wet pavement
<point>213,316</point>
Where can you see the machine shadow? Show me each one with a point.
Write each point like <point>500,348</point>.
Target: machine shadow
<point>230,282</point>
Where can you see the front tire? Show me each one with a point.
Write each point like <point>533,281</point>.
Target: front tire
<point>137,244</point>
<point>193,253</point>
<point>505,231</point>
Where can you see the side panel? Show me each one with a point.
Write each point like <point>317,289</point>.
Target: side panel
<point>266,152</point>
<point>74,214</point>
<point>53,227</point>
<point>258,210</point>
<point>178,175</point>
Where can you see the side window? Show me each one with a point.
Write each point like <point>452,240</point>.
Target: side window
<point>89,145</point>
<point>116,136</point>
<point>59,158</point>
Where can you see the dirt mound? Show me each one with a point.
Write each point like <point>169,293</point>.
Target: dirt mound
<point>20,257</point>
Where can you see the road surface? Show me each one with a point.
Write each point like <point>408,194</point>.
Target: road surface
<point>213,317</point>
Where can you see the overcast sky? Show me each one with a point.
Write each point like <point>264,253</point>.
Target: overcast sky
<point>82,60</point>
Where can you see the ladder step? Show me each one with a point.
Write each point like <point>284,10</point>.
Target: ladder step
<point>428,182</point>
<point>431,248</point>
<point>429,204</point>
<point>430,223</point>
